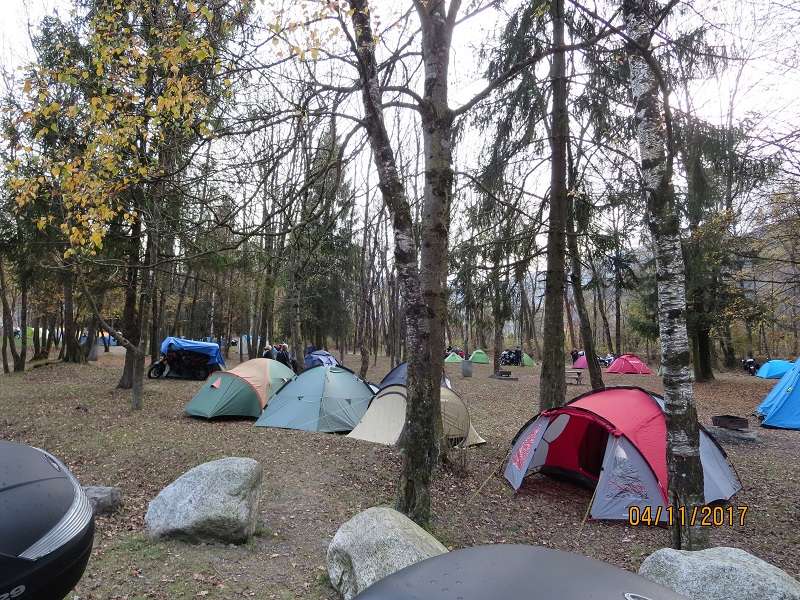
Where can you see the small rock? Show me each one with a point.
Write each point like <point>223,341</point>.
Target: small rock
<point>719,574</point>
<point>373,544</point>
<point>213,502</point>
<point>104,500</point>
<point>733,436</point>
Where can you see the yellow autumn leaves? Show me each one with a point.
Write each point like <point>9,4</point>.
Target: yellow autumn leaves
<point>93,125</point>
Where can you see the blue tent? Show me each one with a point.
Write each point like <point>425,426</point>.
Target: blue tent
<point>781,407</point>
<point>209,349</point>
<point>399,374</point>
<point>774,369</point>
<point>318,358</point>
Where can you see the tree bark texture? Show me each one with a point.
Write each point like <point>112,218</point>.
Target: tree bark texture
<point>419,442</point>
<point>683,436</point>
<point>552,383</point>
<point>576,276</point>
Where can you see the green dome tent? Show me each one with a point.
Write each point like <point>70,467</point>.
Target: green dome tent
<point>479,357</point>
<point>453,358</point>
<point>324,398</point>
<point>527,361</point>
<point>241,392</point>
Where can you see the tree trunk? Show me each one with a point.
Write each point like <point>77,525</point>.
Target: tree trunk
<point>595,374</point>
<point>72,350</point>
<point>36,338</point>
<point>703,366</point>
<point>729,352</point>
<point>21,359</point>
<point>552,384</point>
<point>8,323</point>
<point>656,155</point>
<point>130,319</point>
<point>601,306</point>
<point>568,311</point>
<point>618,308</point>
<point>420,442</point>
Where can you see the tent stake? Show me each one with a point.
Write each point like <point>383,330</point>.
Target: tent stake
<point>493,471</point>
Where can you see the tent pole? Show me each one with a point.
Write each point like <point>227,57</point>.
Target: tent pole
<point>588,509</point>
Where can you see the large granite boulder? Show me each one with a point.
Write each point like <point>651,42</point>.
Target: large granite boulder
<point>213,502</point>
<point>373,544</point>
<point>104,500</point>
<point>719,574</point>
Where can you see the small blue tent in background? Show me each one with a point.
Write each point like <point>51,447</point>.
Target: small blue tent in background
<point>774,369</point>
<point>319,358</point>
<point>781,407</point>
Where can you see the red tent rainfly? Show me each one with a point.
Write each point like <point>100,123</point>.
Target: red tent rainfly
<point>629,363</point>
<point>614,439</point>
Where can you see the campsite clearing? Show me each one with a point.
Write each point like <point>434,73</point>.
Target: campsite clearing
<point>313,482</point>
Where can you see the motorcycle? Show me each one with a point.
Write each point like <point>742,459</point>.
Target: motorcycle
<point>182,363</point>
<point>510,358</point>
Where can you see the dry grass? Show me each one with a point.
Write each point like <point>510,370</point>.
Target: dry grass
<point>314,482</point>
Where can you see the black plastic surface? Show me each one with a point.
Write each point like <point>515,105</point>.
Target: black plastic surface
<point>34,494</point>
<point>514,572</point>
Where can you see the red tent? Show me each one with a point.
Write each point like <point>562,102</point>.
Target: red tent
<point>629,363</point>
<point>614,439</point>
<point>580,363</point>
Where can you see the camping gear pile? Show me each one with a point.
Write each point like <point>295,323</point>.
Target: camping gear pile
<point>46,525</point>
<point>187,359</point>
<point>781,407</point>
<point>615,441</point>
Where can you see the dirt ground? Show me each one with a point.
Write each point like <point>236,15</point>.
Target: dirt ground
<point>314,482</point>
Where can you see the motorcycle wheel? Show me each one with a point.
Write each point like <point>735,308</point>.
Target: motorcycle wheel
<point>156,370</point>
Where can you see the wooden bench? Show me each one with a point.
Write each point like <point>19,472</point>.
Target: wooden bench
<point>573,376</point>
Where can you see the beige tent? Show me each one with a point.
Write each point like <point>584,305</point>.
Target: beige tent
<point>384,421</point>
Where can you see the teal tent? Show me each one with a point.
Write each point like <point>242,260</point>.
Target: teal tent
<point>774,369</point>
<point>453,358</point>
<point>781,407</point>
<point>324,398</point>
<point>480,357</point>
<point>241,392</point>
<point>527,361</point>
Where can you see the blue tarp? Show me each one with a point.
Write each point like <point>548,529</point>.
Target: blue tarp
<point>781,407</point>
<point>774,369</point>
<point>319,357</point>
<point>209,349</point>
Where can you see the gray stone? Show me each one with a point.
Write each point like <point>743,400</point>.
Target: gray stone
<point>719,574</point>
<point>213,502</point>
<point>104,500</point>
<point>373,544</point>
<point>733,436</point>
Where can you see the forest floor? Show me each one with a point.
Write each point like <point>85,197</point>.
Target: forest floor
<point>315,482</point>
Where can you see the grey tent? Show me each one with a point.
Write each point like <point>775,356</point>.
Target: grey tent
<point>323,398</point>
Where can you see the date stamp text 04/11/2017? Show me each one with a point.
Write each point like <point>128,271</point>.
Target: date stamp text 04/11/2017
<point>695,516</point>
